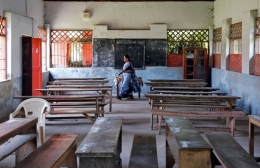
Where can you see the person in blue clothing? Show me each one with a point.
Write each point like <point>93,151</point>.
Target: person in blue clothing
<point>129,83</point>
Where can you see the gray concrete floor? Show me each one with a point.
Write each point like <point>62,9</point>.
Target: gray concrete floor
<point>136,119</point>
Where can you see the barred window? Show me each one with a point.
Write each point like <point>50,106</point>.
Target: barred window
<point>71,48</point>
<point>2,48</point>
<point>179,39</point>
<point>217,37</point>
<point>236,38</point>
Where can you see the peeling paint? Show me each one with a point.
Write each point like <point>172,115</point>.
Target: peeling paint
<point>239,84</point>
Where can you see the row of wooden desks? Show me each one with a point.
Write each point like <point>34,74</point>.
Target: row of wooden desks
<point>57,89</point>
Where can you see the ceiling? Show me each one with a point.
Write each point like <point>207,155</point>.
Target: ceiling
<point>130,0</point>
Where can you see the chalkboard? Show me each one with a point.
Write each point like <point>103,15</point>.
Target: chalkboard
<point>132,47</point>
<point>155,52</point>
<point>103,52</point>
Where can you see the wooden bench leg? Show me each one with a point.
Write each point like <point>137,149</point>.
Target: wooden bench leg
<point>151,122</point>
<point>160,124</point>
<point>118,151</point>
<point>251,138</point>
<point>71,160</point>
<point>169,157</point>
<point>232,125</point>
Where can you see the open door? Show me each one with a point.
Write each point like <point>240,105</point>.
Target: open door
<point>32,66</point>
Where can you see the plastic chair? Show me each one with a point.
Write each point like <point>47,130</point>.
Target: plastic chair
<point>35,107</point>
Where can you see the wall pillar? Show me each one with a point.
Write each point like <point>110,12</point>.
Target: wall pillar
<point>48,45</point>
<point>248,31</point>
<point>226,23</point>
<point>211,35</point>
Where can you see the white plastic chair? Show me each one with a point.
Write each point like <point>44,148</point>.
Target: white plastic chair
<point>35,107</point>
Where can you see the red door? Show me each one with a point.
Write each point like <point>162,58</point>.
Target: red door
<point>87,54</point>
<point>36,65</point>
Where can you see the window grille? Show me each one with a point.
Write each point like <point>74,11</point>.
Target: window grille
<point>217,37</point>
<point>68,48</point>
<point>2,48</point>
<point>43,35</point>
<point>236,31</point>
<point>257,27</point>
<point>179,39</point>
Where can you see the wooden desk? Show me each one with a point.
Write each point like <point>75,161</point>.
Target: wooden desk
<point>56,79</point>
<point>15,126</point>
<point>57,90</point>
<point>178,98</point>
<point>191,148</point>
<point>176,80</point>
<point>103,144</point>
<point>254,120</point>
<point>70,98</point>
<point>80,82</point>
<point>196,89</point>
<point>175,84</point>
<point>188,93</point>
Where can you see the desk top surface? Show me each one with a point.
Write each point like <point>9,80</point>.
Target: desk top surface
<point>14,126</point>
<point>191,97</point>
<point>189,93</point>
<point>102,138</point>
<point>101,78</point>
<point>85,96</point>
<point>185,134</point>
<point>73,89</point>
<point>195,84</point>
<point>79,86</point>
<point>82,81</point>
<point>176,80</point>
<point>186,88</point>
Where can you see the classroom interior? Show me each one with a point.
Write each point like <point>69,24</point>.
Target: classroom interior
<point>84,39</point>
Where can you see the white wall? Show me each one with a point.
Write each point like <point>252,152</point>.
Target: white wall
<point>23,18</point>
<point>28,8</point>
<point>234,9</point>
<point>129,15</point>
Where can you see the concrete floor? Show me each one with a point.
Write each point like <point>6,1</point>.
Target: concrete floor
<point>136,119</point>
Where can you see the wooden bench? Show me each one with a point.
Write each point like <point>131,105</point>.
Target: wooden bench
<point>144,152</point>
<point>229,152</point>
<point>185,146</point>
<point>73,108</point>
<point>202,114</point>
<point>103,144</point>
<point>18,135</point>
<point>57,151</point>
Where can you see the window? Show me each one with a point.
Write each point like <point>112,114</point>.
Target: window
<point>2,48</point>
<point>43,35</point>
<point>71,49</point>
<point>235,56</point>
<point>217,37</point>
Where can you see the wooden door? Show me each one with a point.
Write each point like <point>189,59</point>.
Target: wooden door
<point>36,65</point>
<point>31,66</point>
<point>26,66</point>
